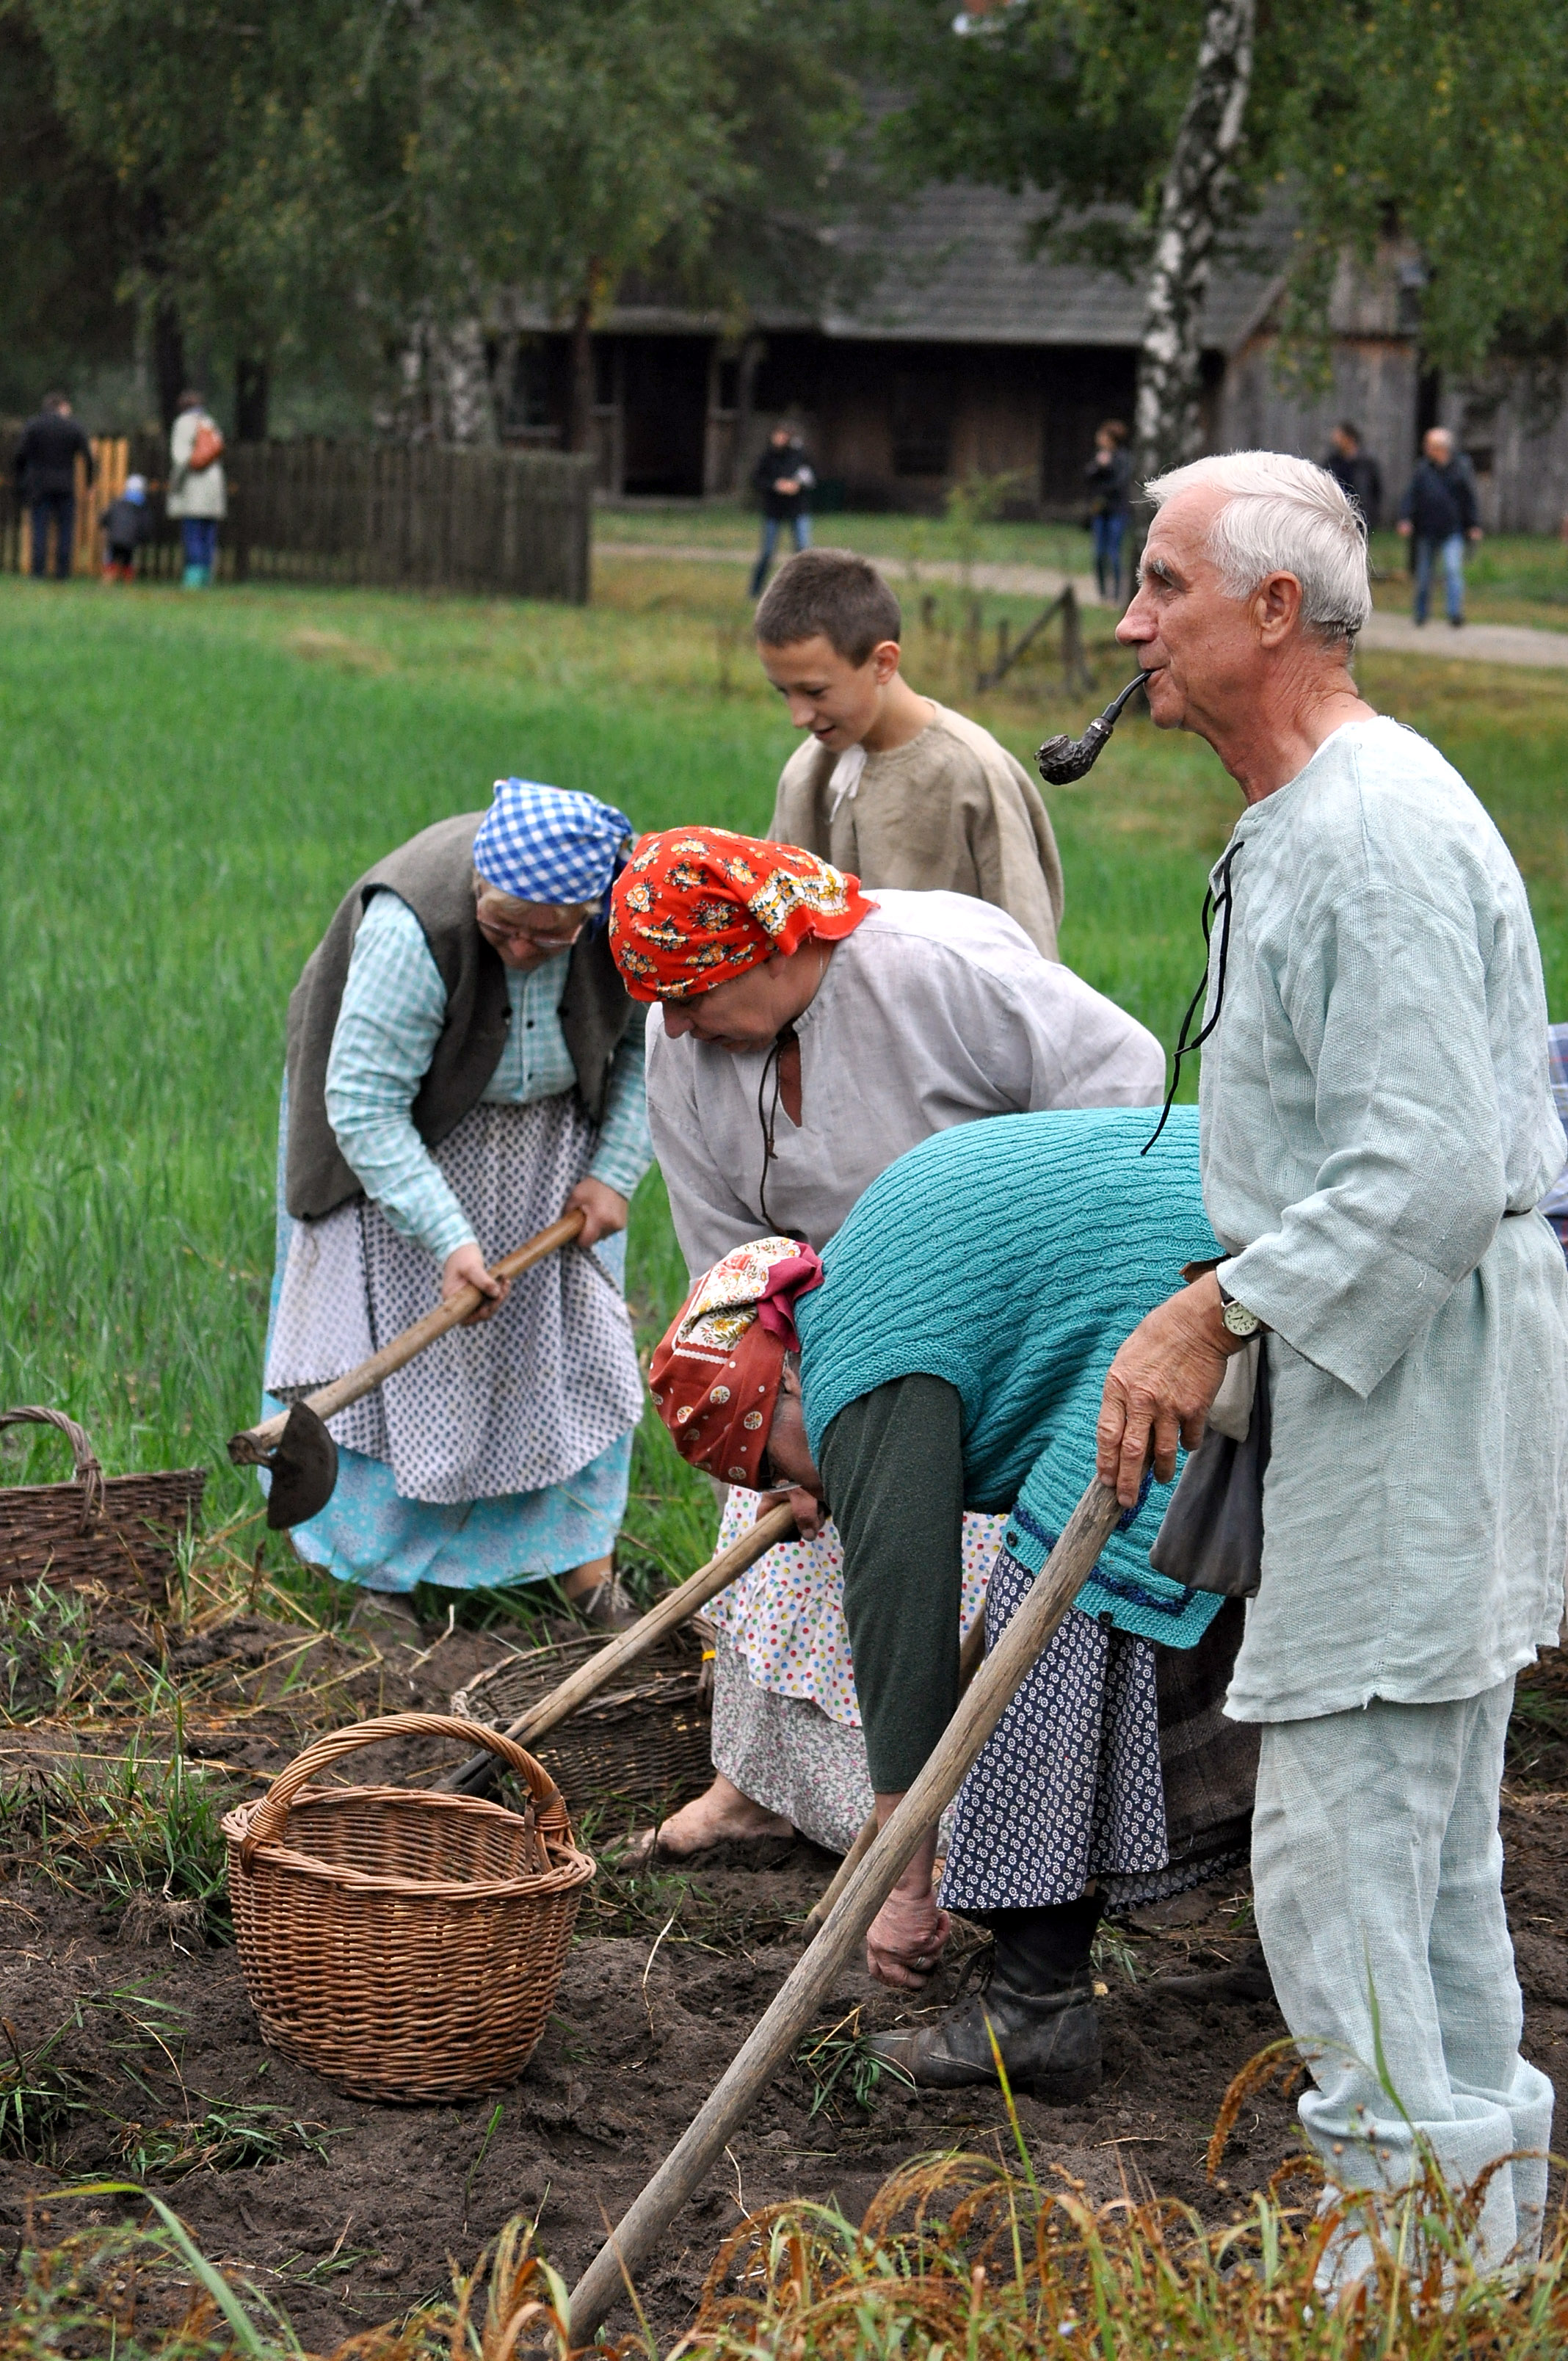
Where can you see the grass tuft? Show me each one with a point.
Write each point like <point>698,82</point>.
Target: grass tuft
<point>134,1836</point>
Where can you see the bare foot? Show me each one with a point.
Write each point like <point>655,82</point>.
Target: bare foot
<point>721,1814</point>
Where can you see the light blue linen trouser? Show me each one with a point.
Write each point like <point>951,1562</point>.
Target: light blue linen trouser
<point>1377,1868</point>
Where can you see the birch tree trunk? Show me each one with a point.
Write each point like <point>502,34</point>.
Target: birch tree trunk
<point>1169,427</point>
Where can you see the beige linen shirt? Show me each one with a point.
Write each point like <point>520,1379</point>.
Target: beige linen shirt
<point>936,1011</point>
<point>951,810</point>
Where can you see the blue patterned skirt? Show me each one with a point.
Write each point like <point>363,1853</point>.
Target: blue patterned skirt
<point>1068,1789</point>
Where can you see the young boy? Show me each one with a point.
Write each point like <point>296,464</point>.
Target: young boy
<point>890,785</point>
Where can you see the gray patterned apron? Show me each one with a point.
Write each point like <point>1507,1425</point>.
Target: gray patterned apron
<point>520,1403</point>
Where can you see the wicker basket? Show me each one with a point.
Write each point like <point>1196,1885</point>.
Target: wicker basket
<point>116,1529</point>
<point>406,1945</point>
<point>646,1740</point>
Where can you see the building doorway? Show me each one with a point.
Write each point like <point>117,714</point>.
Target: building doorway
<point>665,415</point>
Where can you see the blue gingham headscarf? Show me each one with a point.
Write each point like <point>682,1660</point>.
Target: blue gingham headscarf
<point>551,844</point>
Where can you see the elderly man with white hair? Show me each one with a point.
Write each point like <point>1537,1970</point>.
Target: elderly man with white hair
<point>1377,1132</point>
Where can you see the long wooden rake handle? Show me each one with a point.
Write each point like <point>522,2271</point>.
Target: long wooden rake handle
<point>677,1608</point>
<point>794,2008</point>
<point>253,1446</point>
<point>971,1655</point>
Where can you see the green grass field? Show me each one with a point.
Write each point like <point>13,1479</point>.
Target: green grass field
<point>188,784</point>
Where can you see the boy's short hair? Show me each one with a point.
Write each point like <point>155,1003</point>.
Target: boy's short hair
<point>833,595</point>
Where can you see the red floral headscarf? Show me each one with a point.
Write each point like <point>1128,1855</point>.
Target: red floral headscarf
<point>715,1377</point>
<point>697,906</point>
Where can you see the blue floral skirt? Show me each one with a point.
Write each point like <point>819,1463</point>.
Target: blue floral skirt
<point>369,1533</point>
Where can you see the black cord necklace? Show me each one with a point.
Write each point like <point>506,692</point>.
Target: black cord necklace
<point>1221,904</point>
<point>768,1121</point>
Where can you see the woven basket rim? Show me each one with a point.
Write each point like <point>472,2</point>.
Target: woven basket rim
<point>570,1868</point>
<point>184,1475</point>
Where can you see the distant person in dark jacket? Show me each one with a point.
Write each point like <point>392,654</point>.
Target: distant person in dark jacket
<point>1109,475</point>
<point>126,522</point>
<point>783,476</point>
<point>1358,471</point>
<point>1438,512</point>
<point>46,481</point>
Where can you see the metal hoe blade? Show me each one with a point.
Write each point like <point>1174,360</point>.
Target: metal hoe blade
<point>304,1464</point>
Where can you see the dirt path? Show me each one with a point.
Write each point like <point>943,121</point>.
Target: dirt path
<point>1509,644</point>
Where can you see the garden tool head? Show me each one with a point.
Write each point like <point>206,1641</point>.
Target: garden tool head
<point>1062,759</point>
<point>303,1462</point>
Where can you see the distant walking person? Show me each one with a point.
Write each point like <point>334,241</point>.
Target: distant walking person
<point>198,495</point>
<point>783,476</point>
<point>1439,512</point>
<point>1110,478</point>
<point>46,481</point>
<point>1356,471</point>
<point>126,523</point>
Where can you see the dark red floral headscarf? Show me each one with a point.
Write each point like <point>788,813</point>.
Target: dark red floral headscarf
<point>715,1375</point>
<point>697,906</point>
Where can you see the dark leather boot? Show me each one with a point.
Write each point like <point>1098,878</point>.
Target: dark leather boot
<point>1049,2044</point>
<point>1040,2000</point>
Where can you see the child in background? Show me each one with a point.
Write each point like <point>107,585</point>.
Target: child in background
<point>125,525</point>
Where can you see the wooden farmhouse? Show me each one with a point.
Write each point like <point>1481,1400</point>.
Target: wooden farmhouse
<point>959,352</point>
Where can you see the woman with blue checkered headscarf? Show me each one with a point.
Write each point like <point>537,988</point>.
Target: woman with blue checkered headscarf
<point>464,1065</point>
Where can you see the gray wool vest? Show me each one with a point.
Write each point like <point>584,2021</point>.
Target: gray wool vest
<point>433,875</point>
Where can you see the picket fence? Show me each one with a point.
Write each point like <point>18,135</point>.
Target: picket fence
<point>419,517</point>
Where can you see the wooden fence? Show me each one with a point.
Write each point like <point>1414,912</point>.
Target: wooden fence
<point>420,517</point>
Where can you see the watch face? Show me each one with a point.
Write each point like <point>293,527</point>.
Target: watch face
<point>1239,1319</point>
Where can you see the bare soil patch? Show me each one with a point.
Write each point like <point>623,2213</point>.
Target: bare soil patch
<point>349,2213</point>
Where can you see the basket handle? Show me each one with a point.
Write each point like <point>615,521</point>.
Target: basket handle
<point>270,1816</point>
<point>87,1470</point>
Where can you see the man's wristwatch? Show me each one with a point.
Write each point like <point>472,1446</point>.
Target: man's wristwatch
<point>1237,1317</point>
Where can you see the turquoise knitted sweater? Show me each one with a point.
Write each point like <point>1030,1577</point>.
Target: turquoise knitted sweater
<point>1010,1257</point>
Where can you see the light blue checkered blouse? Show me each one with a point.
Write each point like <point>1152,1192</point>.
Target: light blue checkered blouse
<point>394,1005</point>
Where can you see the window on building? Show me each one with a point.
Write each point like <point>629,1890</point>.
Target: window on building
<point>529,408</point>
<point>922,405</point>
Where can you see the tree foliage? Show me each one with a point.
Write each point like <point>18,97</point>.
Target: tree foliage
<point>1442,120</point>
<point>310,179</point>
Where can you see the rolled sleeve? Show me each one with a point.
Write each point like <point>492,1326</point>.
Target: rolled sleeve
<point>625,1148</point>
<point>1412,1183</point>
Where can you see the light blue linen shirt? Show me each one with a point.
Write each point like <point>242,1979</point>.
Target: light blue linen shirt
<point>393,1007</point>
<point>1373,1105</point>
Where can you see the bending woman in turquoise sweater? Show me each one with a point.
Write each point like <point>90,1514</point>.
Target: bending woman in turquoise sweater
<point>952,1343</point>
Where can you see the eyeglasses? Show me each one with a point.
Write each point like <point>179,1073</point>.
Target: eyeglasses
<point>553,942</point>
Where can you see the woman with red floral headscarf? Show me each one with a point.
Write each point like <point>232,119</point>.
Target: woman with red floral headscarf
<point>805,1034</point>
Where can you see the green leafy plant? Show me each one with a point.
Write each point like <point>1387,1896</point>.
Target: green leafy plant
<point>1112,1952</point>
<point>838,2063</point>
<point>43,1647</point>
<point>228,2137</point>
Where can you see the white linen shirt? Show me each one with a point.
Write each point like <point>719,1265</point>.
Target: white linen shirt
<point>936,1010</point>
<point>1375,1103</point>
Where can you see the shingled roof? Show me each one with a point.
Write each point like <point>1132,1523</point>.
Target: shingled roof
<point>955,269</point>
<point>952,266</point>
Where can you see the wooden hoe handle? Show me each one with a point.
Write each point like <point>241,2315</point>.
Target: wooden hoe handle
<point>971,1655</point>
<point>794,2008</point>
<point>675,1609</point>
<point>257,1441</point>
